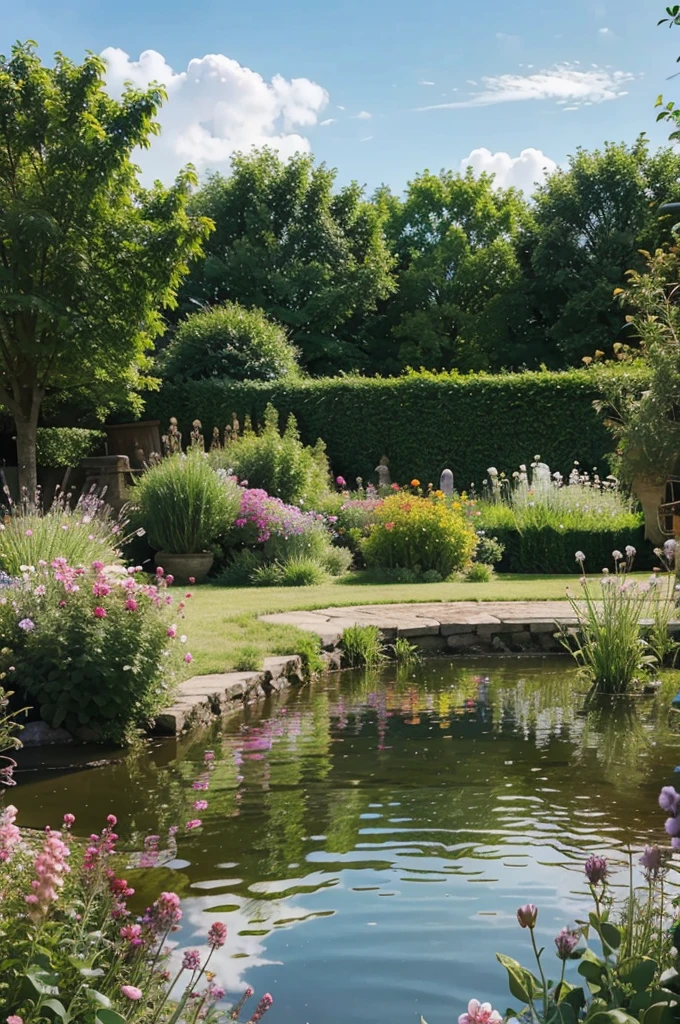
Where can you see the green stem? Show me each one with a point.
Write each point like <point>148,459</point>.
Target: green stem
<point>540,969</point>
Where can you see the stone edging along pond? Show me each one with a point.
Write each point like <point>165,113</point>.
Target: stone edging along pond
<point>456,627</point>
<point>460,627</point>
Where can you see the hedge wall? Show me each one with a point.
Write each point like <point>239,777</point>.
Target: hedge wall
<point>423,422</point>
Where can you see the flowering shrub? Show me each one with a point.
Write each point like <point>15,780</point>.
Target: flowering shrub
<point>632,975</point>
<point>72,950</point>
<point>610,644</point>
<point>278,463</point>
<point>424,534</point>
<point>82,534</point>
<point>94,650</point>
<point>184,505</point>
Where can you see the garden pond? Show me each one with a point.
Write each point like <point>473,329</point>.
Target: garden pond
<point>368,839</point>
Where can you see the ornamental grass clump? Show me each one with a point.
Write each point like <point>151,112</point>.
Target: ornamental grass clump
<point>81,534</point>
<point>420,534</point>
<point>609,642</point>
<point>185,506</point>
<point>96,651</point>
<point>72,949</point>
<point>627,948</point>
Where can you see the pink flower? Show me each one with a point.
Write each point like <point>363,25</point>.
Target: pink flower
<point>188,658</point>
<point>133,934</point>
<point>191,961</point>
<point>50,867</point>
<point>340,481</point>
<point>389,526</point>
<point>209,755</point>
<point>29,533</point>
<point>194,823</point>
<point>10,835</point>
<point>164,914</point>
<point>130,992</point>
<point>172,632</point>
<point>527,915</point>
<point>131,605</point>
<point>217,935</point>
<point>160,571</point>
<point>97,566</point>
<point>200,784</point>
<point>192,580</point>
<point>99,612</point>
<point>111,820</point>
<point>200,805</point>
<point>480,1013</point>
<point>101,589</point>
<point>13,1019</point>
<point>40,590</point>
<point>69,819</point>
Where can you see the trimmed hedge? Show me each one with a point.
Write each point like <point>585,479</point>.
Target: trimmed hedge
<point>66,446</point>
<point>550,551</point>
<point>423,422</point>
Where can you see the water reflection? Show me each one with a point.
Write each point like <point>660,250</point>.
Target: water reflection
<point>368,840</point>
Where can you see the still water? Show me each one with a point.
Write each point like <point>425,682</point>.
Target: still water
<point>368,839</point>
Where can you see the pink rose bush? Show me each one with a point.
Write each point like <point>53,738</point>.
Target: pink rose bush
<point>92,649</point>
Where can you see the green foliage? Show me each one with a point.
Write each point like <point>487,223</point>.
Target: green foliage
<point>81,535</point>
<point>646,421</point>
<point>239,570</point>
<point>284,242</point>
<point>66,446</point>
<point>489,550</point>
<point>88,258</point>
<point>361,646</point>
<point>314,544</point>
<point>247,658</point>
<point>460,295</point>
<point>421,534</point>
<point>279,464</point>
<point>184,505</point>
<point>423,422</point>
<point>82,655</point>
<point>229,342</point>
<point>479,572</point>
<point>592,218</point>
<point>405,652</point>
<point>295,571</point>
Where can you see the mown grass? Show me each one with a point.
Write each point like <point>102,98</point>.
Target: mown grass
<point>224,632</point>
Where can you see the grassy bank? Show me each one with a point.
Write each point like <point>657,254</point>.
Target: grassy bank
<point>225,634</point>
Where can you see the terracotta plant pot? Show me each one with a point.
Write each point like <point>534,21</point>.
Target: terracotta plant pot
<point>186,567</point>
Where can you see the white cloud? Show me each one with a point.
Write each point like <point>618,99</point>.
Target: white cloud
<point>363,115</point>
<point>426,83</point>
<point>561,82</point>
<point>329,120</point>
<point>605,31</point>
<point>216,108</point>
<point>523,171</point>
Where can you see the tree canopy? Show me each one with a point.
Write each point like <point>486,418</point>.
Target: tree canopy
<point>87,257</point>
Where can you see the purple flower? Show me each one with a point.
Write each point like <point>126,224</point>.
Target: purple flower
<point>566,942</point>
<point>672,826</point>
<point>669,800</point>
<point>27,625</point>
<point>596,869</point>
<point>651,861</point>
<point>191,961</point>
<point>217,935</point>
<point>527,915</point>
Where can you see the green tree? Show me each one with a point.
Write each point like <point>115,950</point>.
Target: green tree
<point>459,302</point>
<point>232,343</point>
<point>87,257</point>
<point>313,259</point>
<point>592,218</point>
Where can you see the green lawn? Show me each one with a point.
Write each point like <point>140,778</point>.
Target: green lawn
<point>224,632</point>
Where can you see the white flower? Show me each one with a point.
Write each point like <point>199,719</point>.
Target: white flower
<point>630,551</point>
<point>183,639</point>
<point>617,556</point>
<point>579,556</point>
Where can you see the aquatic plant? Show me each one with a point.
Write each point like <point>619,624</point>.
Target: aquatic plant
<point>608,642</point>
<point>404,651</point>
<point>632,974</point>
<point>361,646</point>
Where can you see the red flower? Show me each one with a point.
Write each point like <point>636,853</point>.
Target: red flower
<point>99,612</point>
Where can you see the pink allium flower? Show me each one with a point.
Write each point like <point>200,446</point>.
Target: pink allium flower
<point>172,631</point>
<point>188,658</point>
<point>69,819</point>
<point>169,579</point>
<point>217,935</point>
<point>596,869</point>
<point>99,612</point>
<point>194,823</point>
<point>131,605</point>
<point>111,820</point>
<point>200,805</point>
<point>191,961</point>
<point>340,481</point>
<point>132,993</point>
<point>480,1013</point>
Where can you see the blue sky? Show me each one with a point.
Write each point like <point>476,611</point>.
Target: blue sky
<point>348,79</point>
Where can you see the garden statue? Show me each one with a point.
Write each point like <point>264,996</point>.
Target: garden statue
<point>383,472</point>
<point>446,482</point>
<point>494,483</point>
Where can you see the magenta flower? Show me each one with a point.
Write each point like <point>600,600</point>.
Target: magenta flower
<point>131,992</point>
<point>340,481</point>
<point>69,820</point>
<point>191,961</point>
<point>200,805</point>
<point>188,658</point>
<point>194,823</point>
<point>596,869</point>
<point>200,784</point>
<point>100,589</point>
<point>97,566</point>
<point>566,942</point>
<point>132,933</point>
<point>217,935</point>
<point>131,605</point>
<point>160,571</point>
<point>99,612</point>
<point>669,800</point>
<point>527,915</point>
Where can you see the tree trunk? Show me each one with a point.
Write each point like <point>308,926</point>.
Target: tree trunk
<point>26,422</point>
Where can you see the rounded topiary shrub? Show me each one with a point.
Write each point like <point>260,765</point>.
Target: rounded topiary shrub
<point>422,534</point>
<point>230,342</point>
